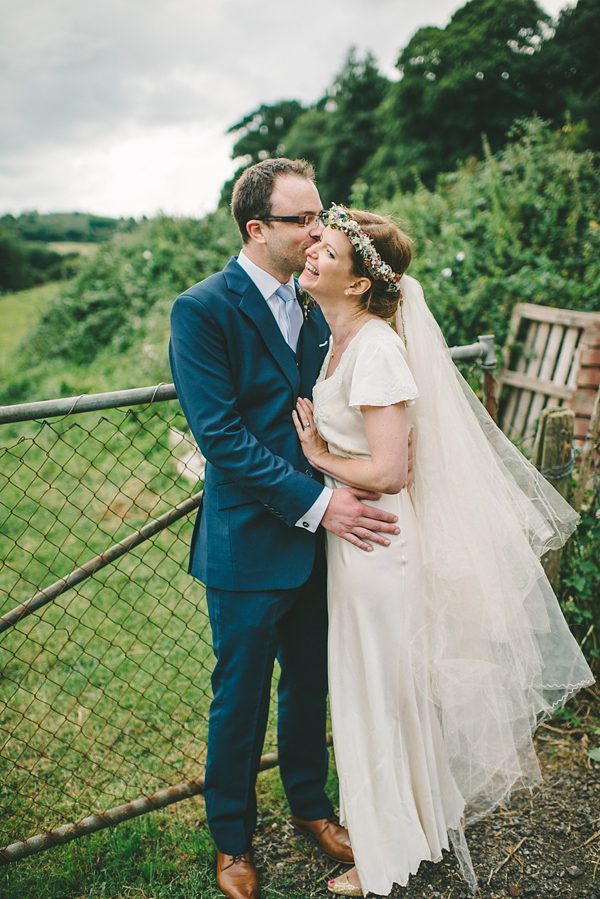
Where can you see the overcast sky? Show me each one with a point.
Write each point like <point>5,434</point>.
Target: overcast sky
<point>120,107</point>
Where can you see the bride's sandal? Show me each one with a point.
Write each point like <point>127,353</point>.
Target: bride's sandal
<point>343,887</point>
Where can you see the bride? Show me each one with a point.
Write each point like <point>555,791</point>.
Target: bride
<point>448,647</point>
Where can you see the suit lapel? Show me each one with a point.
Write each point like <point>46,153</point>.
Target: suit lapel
<point>312,349</point>
<point>254,306</point>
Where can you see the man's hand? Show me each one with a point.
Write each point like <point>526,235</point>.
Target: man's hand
<point>357,523</point>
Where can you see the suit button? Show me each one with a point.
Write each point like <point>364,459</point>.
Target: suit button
<point>305,524</point>
<point>308,472</point>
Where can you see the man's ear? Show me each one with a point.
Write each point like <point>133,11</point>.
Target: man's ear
<point>255,229</point>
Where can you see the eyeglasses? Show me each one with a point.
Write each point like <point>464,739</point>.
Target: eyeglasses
<point>307,220</point>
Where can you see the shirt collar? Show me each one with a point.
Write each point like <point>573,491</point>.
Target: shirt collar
<point>266,283</point>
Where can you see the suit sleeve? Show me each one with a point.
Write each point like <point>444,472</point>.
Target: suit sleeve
<point>199,358</point>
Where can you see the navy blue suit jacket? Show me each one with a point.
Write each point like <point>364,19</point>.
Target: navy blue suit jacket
<point>238,381</point>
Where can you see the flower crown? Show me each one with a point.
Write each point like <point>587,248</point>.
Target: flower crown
<point>338,217</point>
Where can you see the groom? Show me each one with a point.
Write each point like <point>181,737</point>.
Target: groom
<point>242,350</point>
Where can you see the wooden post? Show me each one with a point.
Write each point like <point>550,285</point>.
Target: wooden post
<point>587,455</point>
<point>553,455</point>
<point>490,393</point>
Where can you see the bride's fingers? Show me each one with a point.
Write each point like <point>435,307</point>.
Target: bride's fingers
<point>297,423</point>
<point>305,411</point>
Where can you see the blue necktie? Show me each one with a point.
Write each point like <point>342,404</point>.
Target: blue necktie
<point>287,293</point>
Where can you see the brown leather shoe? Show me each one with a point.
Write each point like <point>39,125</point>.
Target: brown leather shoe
<point>237,877</point>
<point>330,835</point>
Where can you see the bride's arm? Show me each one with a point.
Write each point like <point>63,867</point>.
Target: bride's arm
<point>386,430</point>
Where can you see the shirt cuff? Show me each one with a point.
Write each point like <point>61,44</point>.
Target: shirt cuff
<point>311,520</point>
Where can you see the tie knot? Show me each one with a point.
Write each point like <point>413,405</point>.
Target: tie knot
<point>286,293</point>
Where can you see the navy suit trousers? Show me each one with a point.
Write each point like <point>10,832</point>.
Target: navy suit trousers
<point>251,630</point>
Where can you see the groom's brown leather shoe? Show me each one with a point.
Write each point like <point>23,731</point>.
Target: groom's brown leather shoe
<point>330,835</point>
<point>237,877</point>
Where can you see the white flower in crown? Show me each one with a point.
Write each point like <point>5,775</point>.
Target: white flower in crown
<point>338,217</point>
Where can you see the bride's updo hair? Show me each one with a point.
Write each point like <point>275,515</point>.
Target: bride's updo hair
<point>395,248</point>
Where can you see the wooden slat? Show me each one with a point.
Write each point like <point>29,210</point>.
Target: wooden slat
<point>519,402</point>
<point>533,384</point>
<point>511,404</point>
<point>533,365</point>
<point>565,359</point>
<point>572,379</point>
<point>545,374</point>
<point>557,316</point>
<point>558,365</point>
<point>513,333</point>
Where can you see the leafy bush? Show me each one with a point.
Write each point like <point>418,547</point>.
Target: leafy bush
<point>580,582</point>
<point>110,300</point>
<point>25,264</point>
<point>521,226</point>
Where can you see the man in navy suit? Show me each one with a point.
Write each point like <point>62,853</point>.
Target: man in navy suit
<point>243,348</point>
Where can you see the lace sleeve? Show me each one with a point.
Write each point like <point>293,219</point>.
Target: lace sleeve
<point>381,376</point>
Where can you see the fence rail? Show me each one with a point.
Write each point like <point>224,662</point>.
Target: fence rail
<point>105,642</point>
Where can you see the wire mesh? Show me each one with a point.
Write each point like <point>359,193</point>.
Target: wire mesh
<point>104,691</point>
<point>105,686</point>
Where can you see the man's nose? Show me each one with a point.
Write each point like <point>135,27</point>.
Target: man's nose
<point>316,231</point>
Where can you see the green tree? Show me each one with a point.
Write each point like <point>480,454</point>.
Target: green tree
<point>520,226</point>
<point>570,63</point>
<point>339,134</point>
<point>474,77</point>
<point>15,272</point>
<point>260,136</point>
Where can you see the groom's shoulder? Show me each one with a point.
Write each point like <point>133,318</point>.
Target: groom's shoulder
<point>221,287</point>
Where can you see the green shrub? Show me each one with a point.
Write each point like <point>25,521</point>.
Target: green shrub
<point>108,303</point>
<point>522,226</point>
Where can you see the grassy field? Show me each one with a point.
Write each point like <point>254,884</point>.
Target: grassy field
<point>73,246</point>
<point>19,312</point>
<point>105,690</point>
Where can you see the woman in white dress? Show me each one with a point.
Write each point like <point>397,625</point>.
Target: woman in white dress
<point>446,647</point>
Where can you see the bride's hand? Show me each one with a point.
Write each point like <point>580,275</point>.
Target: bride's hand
<point>313,445</point>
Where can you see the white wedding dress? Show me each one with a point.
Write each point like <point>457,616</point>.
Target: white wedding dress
<point>409,766</point>
<point>397,795</point>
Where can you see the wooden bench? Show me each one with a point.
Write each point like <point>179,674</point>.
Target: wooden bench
<point>552,359</point>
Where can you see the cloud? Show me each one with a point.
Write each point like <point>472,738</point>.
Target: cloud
<point>88,85</point>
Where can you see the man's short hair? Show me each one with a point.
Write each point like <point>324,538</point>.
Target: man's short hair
<point>251,197</point>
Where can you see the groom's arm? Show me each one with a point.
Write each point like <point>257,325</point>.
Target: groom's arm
<point>203,379</point>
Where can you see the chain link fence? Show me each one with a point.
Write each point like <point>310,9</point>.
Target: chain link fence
<point>105,642</point>
<point>104,637</point>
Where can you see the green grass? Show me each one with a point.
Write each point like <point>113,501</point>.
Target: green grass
<point>86,249</point>
<point>163,855</point>
<point>19,312</point>
<point>105,690</point>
